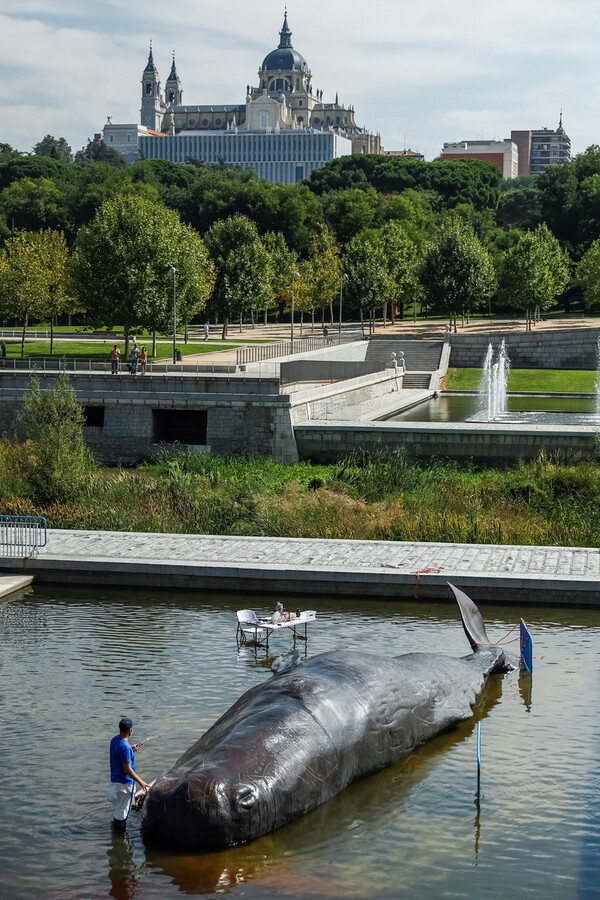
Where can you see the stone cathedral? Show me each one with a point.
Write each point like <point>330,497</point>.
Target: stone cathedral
<point>284,99</point>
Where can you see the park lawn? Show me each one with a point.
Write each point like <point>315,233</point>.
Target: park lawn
<point>544,380</point>
<point>99,350</point>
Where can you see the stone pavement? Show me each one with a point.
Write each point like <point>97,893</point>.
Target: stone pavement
<point>563,575</point>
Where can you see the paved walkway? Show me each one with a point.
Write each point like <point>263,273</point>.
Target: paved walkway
<point>286,565</point>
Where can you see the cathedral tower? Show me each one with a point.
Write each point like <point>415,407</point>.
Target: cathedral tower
<point>153,108</point>
<point>173,92</point>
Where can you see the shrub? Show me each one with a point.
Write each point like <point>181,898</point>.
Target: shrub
<point>53,459</point>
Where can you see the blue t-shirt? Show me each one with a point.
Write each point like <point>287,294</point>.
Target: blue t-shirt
<point>121,752</point>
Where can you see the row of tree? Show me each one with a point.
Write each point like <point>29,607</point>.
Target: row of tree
<point>136,264</point>
<point>117,240</point>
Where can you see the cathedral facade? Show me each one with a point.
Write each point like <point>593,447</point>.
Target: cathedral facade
<point>282,103</point>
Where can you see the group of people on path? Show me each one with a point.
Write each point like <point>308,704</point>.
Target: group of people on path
<point>136,357</point>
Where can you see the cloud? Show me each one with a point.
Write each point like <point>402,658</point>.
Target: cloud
<point>431,71</point>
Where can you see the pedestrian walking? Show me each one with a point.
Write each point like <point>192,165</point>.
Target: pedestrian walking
<point>123,777</point>
<point>206,331</point>
<point>143,360</point>
<point>115,355</point>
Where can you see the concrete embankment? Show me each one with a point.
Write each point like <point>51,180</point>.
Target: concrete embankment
<point>13,584</point>
<point>547,575</point>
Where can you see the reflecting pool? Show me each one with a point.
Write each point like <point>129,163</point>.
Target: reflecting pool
<point>74,660</point>
<point>465,407</point>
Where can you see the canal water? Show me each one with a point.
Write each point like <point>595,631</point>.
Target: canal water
<point>74,660</point>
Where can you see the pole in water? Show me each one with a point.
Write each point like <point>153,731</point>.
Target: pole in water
<point>478,794</point>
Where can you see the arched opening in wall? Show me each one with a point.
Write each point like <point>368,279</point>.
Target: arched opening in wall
<point>300,120</point>
<point>328,120</point>
<point>171,96</point>
<point>264,120</point>
<point>337,120</point>
<point>148,87</point>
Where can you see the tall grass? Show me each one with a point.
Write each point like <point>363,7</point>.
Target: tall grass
<point>550,501</point>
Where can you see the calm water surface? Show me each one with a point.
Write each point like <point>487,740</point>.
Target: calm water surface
<point>73,661</point>
<point>460,407</point>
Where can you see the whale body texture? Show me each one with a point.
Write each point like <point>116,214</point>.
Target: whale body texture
<point>290,744</point>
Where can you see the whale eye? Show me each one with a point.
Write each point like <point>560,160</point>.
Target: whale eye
<point>245,797</point>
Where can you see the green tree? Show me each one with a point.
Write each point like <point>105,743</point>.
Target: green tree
<point>122,267</point>
<point>56,148</point>
<point>284,265</point>
<point>457,273</point>
<point>98,151</point>
<point>33,278</point>
<point>368,284</point>
<point>321,274</point>
<point>534,270</point>
<point>243,268</point>
<point>348,212</point>
<point>588,275</point>
<point>54,460</point>
<point>403,260</point>
<point>32,204</point>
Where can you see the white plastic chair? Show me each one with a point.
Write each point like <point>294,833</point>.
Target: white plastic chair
<point>252,631</point>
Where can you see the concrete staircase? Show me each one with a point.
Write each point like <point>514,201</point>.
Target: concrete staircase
<point>417,380</point>
<point>419,356</point>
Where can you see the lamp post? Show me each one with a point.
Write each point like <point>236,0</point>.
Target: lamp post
<point>174,271</point>
<point>344,276</point>
<point>296,275</point>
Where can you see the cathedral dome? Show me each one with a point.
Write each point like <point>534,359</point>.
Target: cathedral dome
<point>284,57</point>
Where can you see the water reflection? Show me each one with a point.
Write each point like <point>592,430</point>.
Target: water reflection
<point>526,689</point>
<point>124,883</point>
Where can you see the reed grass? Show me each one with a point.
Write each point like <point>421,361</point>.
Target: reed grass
<point>552,501</point>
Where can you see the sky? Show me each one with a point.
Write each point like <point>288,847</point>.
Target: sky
<point>419,73</point>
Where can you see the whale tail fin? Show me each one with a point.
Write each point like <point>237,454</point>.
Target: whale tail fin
<point>471,618</point>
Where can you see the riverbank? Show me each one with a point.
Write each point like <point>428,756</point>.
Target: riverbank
<point>564,576</point>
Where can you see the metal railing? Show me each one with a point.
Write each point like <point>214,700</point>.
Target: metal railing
<point>87,366</point>
<point>22,535</point>
<point>262,352</point>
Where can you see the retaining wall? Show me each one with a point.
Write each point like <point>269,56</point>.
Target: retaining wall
<point>569,348</point>
<point>329,442</point>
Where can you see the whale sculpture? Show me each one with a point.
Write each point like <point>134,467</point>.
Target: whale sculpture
<point>290,744</point>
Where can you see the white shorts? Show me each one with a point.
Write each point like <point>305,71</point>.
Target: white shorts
<point>120,797</point>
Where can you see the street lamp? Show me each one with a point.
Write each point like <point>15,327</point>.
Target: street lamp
<point>296,275</point>
<point>174,271</point>
<point>341,299</point>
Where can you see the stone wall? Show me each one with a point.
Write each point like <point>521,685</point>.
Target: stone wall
<point>323,442</point>
<point>569,348</point>
<point>242,415</point>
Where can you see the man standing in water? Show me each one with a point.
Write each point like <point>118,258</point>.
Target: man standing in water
<point>123,776</point>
